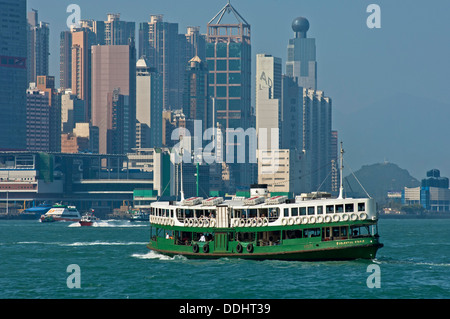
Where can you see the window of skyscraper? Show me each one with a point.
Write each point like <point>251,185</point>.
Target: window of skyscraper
<point>222,65</point>
<point>211,65</point>
<point>210,50</point>
<point>235,65</point>
<point>221,91</point>
<point>234,104</point>
<point>235,50</point>
<point>234,91</point>
<point>221,105</point>
<point>234,78</point>
<point>221,50</point>
<point>221,78</point>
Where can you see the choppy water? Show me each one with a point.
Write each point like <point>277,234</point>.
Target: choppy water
<point>115,263</point>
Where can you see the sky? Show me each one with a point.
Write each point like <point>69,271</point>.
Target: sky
<point>406,62</point>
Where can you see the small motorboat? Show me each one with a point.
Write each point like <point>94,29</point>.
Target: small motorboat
<point>88,220</point>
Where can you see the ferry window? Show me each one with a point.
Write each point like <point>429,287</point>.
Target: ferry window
<point>286,212</point>
<point>311,232</point>
<point>339,208</point>
<point>294,211</point>
<point>302,211</point>
<point>253,212</point>
<point>310,210</point>
<point>263,212</point>
<point>274,212</point>
<point>361,207</point>
<point>330,209</point>
<point>349,208</point>
<point>319,210</point>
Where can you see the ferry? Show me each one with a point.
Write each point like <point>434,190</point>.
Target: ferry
<point>61,213</point>
<point>311,227</point>
<point>35,212</point>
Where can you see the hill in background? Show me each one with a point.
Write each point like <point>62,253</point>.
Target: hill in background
<point>378,180</point>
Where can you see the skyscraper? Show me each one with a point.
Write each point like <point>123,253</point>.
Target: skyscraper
<point>148,106</point>
<point>13,74</point>
<point>301,60</point>
<point>38,121</point>
<point>228,54</point>
<point>65,60</point>
<point>116,32</point>
<point>82,41</point>
<point>114,95</point>
<point>196,99</point>
<point>317,137</point>
<point>38,47</point>
<point>268,108</point>
<point>164,49</point>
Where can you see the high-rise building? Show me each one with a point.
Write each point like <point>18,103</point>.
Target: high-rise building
<point>114,96</point>
<point>195,43</point>
<point>116,32</point>
<point>149,119</point>
<point>292,118</point>
<point>268,108</point>
<point>164,49</point>
<point>228,55</point>
<point>13,74</point>
<point>301,60</point>
<point>82,41</point>
<point>38,120</point>
<point>317,138</point>
<point>45,83</point>
<point>38,47</point>
<point>196,100</point>
<point>65,60</point>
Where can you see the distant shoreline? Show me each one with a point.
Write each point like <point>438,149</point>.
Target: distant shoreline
<point>414,216</point>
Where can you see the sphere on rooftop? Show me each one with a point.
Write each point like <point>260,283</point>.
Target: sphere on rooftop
<point>300,24</point>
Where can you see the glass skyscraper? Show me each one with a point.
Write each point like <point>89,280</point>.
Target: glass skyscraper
<point>13,74</point>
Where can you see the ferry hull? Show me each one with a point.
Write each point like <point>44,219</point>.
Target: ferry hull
<point>320,254</point>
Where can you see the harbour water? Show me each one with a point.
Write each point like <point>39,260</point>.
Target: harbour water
<point>114,263</point>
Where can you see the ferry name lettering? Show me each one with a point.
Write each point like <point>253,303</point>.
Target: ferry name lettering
<point>349,242</point>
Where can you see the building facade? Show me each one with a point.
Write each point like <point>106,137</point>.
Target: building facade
<point>13,74</point>
<point>228,55</point>
<point>114,94</point>
<point>149,106</point>
<point>38,47</point>
<point>301,59</point>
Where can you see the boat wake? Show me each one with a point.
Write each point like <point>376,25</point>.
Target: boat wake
<point>154,255</point>
<point>103,243</point>
<point>111,223</point>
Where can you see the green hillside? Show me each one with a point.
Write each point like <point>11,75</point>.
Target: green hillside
<point>378,180</point>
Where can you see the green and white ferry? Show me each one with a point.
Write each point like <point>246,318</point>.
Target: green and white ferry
<point>310,227</point>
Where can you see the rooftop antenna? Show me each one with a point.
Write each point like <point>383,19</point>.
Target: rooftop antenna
<point>341,171</point>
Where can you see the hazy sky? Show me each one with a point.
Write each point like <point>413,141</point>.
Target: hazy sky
<point>357,67</point>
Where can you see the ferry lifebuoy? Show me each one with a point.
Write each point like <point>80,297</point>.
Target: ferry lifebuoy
<point>259,222</point>
<point>336,218</point>
<point>250,248</point>
<point>200,222</point>
<point>172,222</point>
<point>291,221</point>
<point>254,222</point>
<point>265,221</point>
<point>248,223</point>
<point>284,221</point>
<point>345,217</point>
<point>319,219</point>
<point>239,248</point>
<point>328,218</point>
<point>304,220</point>
<point>242,222</point>
<point>362,216</point>
<point>212,223</point>
<point>206,248</point>
<point>298,220</point>
<point>312,220</point>
<point>206,223</point>
<point>353,217</point>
